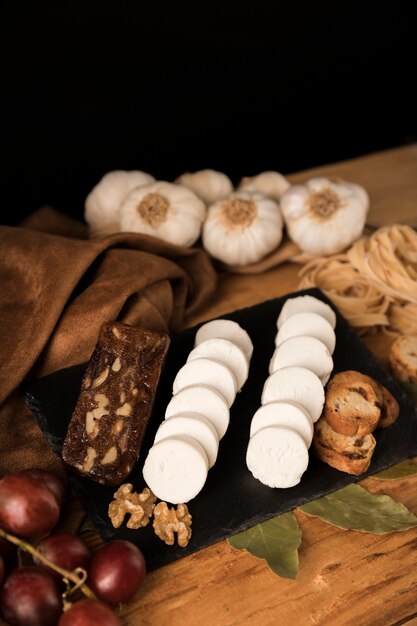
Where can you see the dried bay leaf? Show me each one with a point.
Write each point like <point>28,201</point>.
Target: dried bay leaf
<point>354,508</point>
<point>276,540</point>
<point>400,470</point>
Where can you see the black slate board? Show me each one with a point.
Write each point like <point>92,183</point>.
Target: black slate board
<point>231,500</point>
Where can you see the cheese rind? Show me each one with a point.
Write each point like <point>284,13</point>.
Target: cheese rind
<point>277,456</point>
<point>194,425</point>
<point>303,351</point>
<point>226,352</point>
<point>202,399</point>
<point>287,414</point>
<point>225,329</point>
<point>176,469</point>
<point>296,384</point>
<point>306,304</point>
<point>208,372</point>
<point>310,324</point>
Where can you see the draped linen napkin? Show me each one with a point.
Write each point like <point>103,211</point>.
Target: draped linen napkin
<point>56,289</point>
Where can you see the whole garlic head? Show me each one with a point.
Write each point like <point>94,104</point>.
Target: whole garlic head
<point>243,228</point>
<point>208,185</point>
<point>324,217</point>
<point>271,184</point>
<point>171,212</point>
<point>103,203</point>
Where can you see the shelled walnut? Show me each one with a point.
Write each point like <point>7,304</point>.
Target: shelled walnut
<point>138,505</point>
<point>169,521</point>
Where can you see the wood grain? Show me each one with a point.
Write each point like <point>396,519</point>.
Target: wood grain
<point>345,577</point>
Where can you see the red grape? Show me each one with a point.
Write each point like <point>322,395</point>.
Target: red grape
<point>89,613</point>
<point>30,597</point>
<point>1,570</point>
<point>117,571</point>
<point>7,549</point>
<point>66,551</point>
<point>28,508</point>
<point>54,483</point>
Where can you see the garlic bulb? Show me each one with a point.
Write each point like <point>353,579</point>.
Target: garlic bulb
<point>243,228</point>
<point>105,199</point>
<point>271,184</point>
<point>324,217</point>
<point>208,185</point>
<point>170,212</point>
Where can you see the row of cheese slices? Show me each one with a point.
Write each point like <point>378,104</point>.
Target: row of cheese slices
<point>293,395</point>
<point>197,417</point>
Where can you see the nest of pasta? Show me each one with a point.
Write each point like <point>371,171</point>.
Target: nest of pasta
<point>373,284</point>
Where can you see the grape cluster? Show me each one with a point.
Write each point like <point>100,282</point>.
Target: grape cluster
<point>39,593</point>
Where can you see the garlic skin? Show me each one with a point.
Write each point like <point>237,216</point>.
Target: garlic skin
<point>165,210</point>
<point>324,217</point>
<point>271,184</point>
<point>102,205</point>
<point>209,185</point>
<point>242,229</point>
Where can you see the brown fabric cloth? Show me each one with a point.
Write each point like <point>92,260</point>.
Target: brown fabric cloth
<point>57,287</point>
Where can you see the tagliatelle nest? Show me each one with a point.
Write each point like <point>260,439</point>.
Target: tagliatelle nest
<point>374,283</point>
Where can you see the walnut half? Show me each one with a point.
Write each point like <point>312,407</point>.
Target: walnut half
<point>138,505</point>
<point>169,521</point>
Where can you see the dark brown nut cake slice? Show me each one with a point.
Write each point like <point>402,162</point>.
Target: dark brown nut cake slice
<point>347,454</point>
<point>108,424</point>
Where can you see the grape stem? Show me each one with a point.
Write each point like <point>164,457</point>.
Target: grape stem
<point>77,577</point>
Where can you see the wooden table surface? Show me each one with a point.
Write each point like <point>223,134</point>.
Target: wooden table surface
<point>345,577</point>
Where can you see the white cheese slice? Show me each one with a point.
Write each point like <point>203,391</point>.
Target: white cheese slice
<point>202,399</point>
<point>207,372</point>
<point>311,324</point>
<point>303,351</point>
<point>176,469</point>
<point>226,352</point>
<point>287,414</point>
<point>277,456</point>
<point>225,329</point>
<point>296,384</point>
<point>194,425</point>
<point>306,304</point>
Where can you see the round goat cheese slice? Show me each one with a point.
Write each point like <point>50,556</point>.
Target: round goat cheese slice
<point>311,324</point>
<point>208,372</point>
<point>303,351</point>
<point>287,414</point>
<point>296,384</point>
<point>194,425</point>
<point>226,352</point>
<point>277,456</point>
<point>175,469</point>
<point>225,329</point>
<point>202,399</point>
<point>306,304</point>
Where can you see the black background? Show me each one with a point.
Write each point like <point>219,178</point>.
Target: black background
<point>90,87</point>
